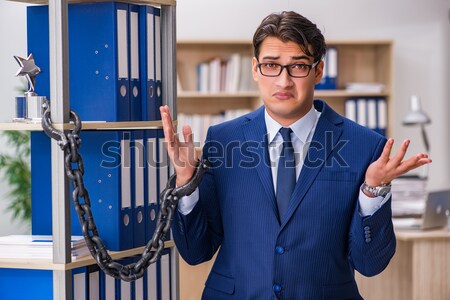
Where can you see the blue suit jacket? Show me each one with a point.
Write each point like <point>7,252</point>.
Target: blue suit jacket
<point>313,252</point>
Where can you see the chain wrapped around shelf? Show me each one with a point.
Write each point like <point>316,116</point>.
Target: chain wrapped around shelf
<point>69,143</point>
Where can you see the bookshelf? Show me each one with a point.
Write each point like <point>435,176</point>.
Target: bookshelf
<point>367,61</point>
<point>61,265</point>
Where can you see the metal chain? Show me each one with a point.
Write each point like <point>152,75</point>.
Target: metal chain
<point>169,197</point>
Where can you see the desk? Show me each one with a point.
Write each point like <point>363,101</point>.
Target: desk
<point>419,270</point>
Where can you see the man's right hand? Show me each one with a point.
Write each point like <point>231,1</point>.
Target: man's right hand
<point>182,154</point>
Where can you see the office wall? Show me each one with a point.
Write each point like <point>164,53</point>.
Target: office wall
<point>420,30</point>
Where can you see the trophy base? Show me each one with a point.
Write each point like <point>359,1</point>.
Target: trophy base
<point>35,108</point>
<point>29,109</point>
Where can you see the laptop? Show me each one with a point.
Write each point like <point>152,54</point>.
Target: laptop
<point>435,215</point>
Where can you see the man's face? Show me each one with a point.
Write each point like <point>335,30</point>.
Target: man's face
<point>286,98</point>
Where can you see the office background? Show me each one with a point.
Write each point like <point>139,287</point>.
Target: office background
<point>419,29</point>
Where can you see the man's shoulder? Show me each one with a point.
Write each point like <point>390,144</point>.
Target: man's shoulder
<point>353,128</point>
<point>234,124</point>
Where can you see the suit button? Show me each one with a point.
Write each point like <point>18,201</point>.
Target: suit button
<point>279,250</point>
<point>276,288</point>
<point>366,228</point>
<point>368,240</point>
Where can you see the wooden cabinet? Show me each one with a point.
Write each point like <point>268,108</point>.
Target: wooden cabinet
<point>419,270</point>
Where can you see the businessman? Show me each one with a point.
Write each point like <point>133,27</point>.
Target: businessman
<point>297,196</point>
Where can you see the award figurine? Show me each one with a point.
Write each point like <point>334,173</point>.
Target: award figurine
<point>29,107</point>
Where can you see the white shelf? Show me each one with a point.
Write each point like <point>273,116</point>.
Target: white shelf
<point>47,264</point>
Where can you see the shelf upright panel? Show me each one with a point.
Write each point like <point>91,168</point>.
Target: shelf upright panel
<point>59,95</point>
<point>169,88</point>
<point>169,72</point>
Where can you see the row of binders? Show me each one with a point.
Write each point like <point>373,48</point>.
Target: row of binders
<point>369,112</point>
<point>90,283</point>
<point>114,58</point>
<point>330,71</point>
<point>124,173</point>
<point>233,74</point>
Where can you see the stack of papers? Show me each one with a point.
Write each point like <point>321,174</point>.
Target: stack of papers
<point>364,87</point>
<point>37,246</point>
<point>409,196</point>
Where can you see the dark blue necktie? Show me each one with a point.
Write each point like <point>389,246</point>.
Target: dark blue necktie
<point>286,172</point>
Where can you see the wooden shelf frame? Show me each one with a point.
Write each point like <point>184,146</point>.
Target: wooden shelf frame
<point>366,61</point>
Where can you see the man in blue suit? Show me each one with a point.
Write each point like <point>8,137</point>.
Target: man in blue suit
<point>287,231</point>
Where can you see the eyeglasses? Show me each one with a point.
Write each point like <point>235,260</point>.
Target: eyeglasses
<point>294,70</point>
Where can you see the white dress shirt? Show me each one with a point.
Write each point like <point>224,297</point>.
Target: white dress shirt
<point>302,133</point>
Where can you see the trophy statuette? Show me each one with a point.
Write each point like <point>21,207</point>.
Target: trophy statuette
<point>29,106</point>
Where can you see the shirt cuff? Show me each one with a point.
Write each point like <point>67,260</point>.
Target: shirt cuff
<point>187,203</point>
<point>368,206</point>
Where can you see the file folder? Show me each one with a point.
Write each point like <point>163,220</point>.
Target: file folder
<point>165,276</point>
<point>151,280</point>
<point>332,69</point>
<point>107,178</point>
<point>163,169</point>
<point>158,63</point>
<point>139,289</point>
<point>147,53</point>
<point>109,287</point>
<point>138,180</point>
<point>152,194</point>
<point>126,288</point>
<point>381,116</point>
<point>93,282</point>
<point>350,109</point>
<point>372,114</point>
<point>80,284</point>
<point>98,47</point>
<point>361,111</point>
<point>135,84</point>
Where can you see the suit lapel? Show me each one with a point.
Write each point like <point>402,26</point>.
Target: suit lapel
<point>325,137</point>
<point>255,132</point>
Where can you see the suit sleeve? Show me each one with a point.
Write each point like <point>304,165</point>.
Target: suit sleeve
<point>372,239</point>
<point>199,234</point>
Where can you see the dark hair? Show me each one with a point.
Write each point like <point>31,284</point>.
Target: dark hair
<point>291,26</point>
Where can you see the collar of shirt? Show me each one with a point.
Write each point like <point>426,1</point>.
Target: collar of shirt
<point>301,128</point>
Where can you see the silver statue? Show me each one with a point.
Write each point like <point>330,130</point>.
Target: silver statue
<point>29,107</point>
<point>28,69</point>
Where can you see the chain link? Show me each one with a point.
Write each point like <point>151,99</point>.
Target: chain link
<point>169,197</point>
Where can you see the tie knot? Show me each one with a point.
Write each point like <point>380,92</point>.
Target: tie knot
<point>286,133</point>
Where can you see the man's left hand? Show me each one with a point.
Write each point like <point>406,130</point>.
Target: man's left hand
<point>385,169</point>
